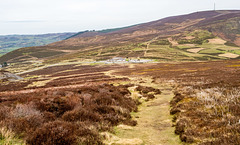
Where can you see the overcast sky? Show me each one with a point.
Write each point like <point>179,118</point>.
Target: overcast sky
<point>51,16</point>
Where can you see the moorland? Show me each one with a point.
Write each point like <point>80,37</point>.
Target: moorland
<point>88,90</point>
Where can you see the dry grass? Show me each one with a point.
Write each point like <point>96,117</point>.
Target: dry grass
<point>229,55</point>
<point>24,110</point>
<point>207,115</point>
<point>216,41</point>
<point>111,139</point>
<point>8,137</point>
<point>38,83</point>
<point>195,50</point>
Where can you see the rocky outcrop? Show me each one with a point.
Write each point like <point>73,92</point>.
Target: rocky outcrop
<point>7,76</point>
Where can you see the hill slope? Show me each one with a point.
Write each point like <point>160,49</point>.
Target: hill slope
<point>12,42</point>
<point>208,35</point>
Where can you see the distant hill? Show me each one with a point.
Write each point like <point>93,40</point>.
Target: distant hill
<point>11,42</point>
<point>207,35</point>
<point>90,33</point>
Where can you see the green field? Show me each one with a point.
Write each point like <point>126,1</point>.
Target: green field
<point>9,43</point>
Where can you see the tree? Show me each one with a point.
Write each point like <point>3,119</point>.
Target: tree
<point>4,64</point>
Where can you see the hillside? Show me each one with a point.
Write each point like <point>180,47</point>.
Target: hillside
<point>208,35</point>
<point>12,42</point>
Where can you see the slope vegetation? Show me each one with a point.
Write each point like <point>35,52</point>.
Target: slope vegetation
<point>208,35</point>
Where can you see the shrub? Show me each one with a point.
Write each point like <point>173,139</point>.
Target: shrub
<point>56,105</point>
<point>228,43</point>
<point>24,110</point>
<point>161,42</point>
<point>48,116</point>
<point>145,90</point>
<point>3,112</point>
<point>191,41</point>
<point>67,115</point>
<point>22,125</point>
<point>81,114</point>
<point>207,115</point>
<point>199,38</point>
<point>64,133</point>
<point>54,133</point>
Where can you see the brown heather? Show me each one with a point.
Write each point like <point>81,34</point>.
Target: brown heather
<point>206,104</point>
<point>67,116</point>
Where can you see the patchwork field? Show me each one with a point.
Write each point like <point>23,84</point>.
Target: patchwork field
<point>194,45</point>
<point>229,55</point>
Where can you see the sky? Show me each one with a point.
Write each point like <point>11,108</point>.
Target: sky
<point>55,16</point>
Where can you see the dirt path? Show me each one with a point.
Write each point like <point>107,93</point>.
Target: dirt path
<point>174,43</point>
<point>145,52</point>
<point>154,121</point>
<point>148,44</point>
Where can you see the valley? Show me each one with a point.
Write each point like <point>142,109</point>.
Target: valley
<point>9,43</point>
